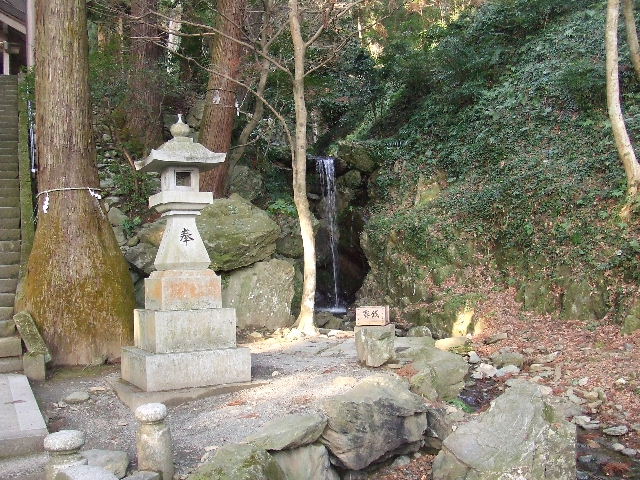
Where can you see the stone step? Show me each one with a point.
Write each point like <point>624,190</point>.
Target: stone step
<point>9,201</point>
<point>6,193</point>
<point>8,174</point>
<point>9,258</point>
<point>9,271</point>
<point>9,245</point>
<point>9,212</point>
<point>22,427</point>
<point>9,234</point>
<point>8,285</point>
<point>9,222</point>
<point>4,136</point>
<point>7,328</point>
<point>10,346</point>
<point>8,365</point>
<point>7,300</point>
<point>8,183</point>
<point>6,313</point>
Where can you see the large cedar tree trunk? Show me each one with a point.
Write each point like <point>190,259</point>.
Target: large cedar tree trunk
<point>623,143</point>
<point>220,113</point>
<point>77,285</point>
<point>144,110</point>
<point>305,318</point>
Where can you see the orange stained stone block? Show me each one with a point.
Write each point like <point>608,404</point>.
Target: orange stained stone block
<point>183,290</point>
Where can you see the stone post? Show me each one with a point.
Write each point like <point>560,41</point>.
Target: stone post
<point>153,440</point>
<point>64,451</point>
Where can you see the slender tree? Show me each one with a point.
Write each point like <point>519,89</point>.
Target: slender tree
<point>144,109</point>
<point>305,318</point>
<point>623,143</point>
<point>77,285</point>
<point>220,111</point>
<point>632,35</point>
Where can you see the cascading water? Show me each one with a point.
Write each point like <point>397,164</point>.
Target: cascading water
<point>325,167</point>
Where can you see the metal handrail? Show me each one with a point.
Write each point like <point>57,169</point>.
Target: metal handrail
<point>33,148</point>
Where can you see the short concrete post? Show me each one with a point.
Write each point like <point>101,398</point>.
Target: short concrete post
<point>64,451</point>
<point>153,440</point>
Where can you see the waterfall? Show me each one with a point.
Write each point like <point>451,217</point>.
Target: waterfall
<point>326,169</point>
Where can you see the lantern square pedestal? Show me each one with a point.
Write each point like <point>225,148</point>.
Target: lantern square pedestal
<point>153,372</point>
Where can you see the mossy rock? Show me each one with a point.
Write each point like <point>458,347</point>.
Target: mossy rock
<point>246,182</point>
<point>632,320</point>
<point>351,179</point>
<point>236,233</point>
<point>360,156</point>
<point>240,462</point>
<point>457,317</point>
<point>537,296</point>
<point>581,301</point>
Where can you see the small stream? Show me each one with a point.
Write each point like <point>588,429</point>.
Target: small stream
<point>595,457</point>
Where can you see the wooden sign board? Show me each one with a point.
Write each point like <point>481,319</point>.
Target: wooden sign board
<point>378,315</point>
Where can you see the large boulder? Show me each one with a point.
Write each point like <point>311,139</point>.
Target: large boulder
<point>261,294</point>
<point>289,243</point>
<point>358,155</point>
<point>142,256</point>
<point>444,371</point>
<point>240,462</point>
<point>289,440</point>
<point>246,182</point>
<point>151,233</point>
<point>581,301</point>
<point>306,463</point>
<point>375,344</point>
<point>521,437</point>
<point>291,431</point>
<point>377,418</point>
<point>236,233</point>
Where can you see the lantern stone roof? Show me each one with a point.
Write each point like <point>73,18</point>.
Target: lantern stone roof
<point>180,151</point>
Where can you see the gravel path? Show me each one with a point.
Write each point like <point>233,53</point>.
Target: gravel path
<point>295,375</point>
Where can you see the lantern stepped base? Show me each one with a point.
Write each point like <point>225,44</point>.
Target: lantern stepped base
<point>170,371</point>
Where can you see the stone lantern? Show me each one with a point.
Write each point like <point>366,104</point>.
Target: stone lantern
<point>183,338</point>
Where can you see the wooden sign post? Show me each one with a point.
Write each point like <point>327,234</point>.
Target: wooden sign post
<point>376,315</point>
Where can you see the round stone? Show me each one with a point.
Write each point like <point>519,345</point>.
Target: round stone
<point>151,412</point>
<point>64,441</point>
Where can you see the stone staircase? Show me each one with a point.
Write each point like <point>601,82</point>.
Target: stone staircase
<point>10,344</point>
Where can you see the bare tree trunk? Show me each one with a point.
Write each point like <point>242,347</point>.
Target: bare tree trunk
<point>623,143</point>
<point>248,129</point>
<point>77,285</point>
<point>258,111</point>
<point>144,111</point>
<point>305,318</point>
<point>632,35</point>
<point>220,111</point>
